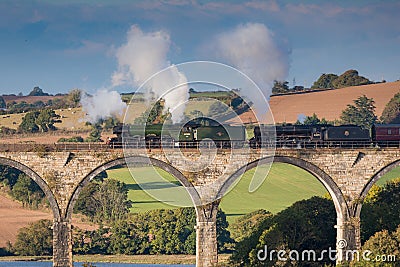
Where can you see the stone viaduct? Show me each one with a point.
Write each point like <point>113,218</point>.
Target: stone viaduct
<point>347,174</point>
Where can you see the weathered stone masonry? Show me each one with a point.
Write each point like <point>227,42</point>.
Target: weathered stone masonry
<point>347,174</point>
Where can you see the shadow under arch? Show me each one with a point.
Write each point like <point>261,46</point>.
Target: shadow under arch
<point>342,210</point>
<point>194,195</point>
<point>38,180</point>
<point>371,182</point>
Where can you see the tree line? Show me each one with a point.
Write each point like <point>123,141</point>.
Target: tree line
<point>325,81</point>
<point>307,224</point>
<point>70,100</point>
<point>105,203</point>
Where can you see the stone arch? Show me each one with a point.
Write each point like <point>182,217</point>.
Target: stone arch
<point>371,182</point>
<point>194,195</point>
<point>38,180</point>
<point>341,207</point>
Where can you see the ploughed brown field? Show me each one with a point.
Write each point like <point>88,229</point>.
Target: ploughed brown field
<point>13,217</point>
<point>327,104</point>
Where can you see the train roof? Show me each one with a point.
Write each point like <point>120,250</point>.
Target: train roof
<point>295,125</point>
<point>387,125</point>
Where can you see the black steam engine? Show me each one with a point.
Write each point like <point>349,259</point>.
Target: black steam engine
<point>325,135</point>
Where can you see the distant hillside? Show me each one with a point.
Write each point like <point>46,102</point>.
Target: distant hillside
<point>329,104</point>
<point>29,99</point>
<point>326,104</point>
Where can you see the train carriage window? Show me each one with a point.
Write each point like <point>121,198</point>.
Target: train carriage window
<point>389,131</point>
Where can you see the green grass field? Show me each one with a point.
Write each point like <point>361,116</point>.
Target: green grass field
<point>284,185</point>
<point>142,200</point>
<point>393,174</point>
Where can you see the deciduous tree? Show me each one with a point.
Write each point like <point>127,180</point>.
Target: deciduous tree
<point>361,113</point>
<point>35,120</point>
<point>27,191</point>
<point>46,119</point>
<point>129,238</point>
<point>28,124</point>
<point>35,240</point>
<point>391,113</point>
<point>325,81</point>
<point>306,225</point>
<point>350,78</point>
<point>95,133</point>
<point>245,225</point>
<point>105,201</point>
<point>74,97</point>
<point>382,210</point>
<point>383,245</point>
<point>280,87</point>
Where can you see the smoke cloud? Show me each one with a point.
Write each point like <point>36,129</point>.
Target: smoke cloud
<point>102,104</point>
<point>145,54</point>
<point>252,49</point>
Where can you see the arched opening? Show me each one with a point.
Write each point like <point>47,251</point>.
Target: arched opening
<point>379,205</point>
<point>28,208</point>
<point>140,160</point>
<point>138,236</point>
<point>328,183</point>
<point>262,226</point>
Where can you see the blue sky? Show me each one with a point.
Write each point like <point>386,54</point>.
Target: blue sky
<point>60,45</point>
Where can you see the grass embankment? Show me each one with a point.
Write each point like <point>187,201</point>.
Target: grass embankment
<point>26,258</point>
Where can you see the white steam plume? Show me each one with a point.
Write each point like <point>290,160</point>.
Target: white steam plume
<point>145,54</point>
<point>102,104</point>
<point>252,49</point>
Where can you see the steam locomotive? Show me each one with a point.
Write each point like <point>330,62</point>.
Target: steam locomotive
<point>197,132</point>
<point>208,132</point>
